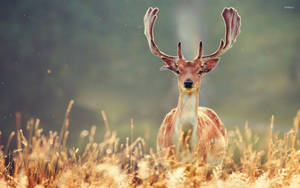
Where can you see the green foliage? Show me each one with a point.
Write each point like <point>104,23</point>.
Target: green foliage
<point>95,53</point>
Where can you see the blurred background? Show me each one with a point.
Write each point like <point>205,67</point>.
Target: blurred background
<point>95,53</point>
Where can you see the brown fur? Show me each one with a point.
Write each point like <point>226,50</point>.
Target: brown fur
<point>189,127</point>
<point>209,127</point>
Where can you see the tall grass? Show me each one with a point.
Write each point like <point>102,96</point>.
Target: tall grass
<point>43,160</point>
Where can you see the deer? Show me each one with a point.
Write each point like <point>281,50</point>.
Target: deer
<point>188,131</point>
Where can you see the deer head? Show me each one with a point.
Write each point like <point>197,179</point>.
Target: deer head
<point>189,73</point>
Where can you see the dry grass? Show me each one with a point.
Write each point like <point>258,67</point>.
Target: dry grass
<point>44,161</point>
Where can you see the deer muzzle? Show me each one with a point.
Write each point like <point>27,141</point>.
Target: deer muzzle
<point>188,84</point>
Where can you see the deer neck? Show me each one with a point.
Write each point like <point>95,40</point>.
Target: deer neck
<point>187,111</point>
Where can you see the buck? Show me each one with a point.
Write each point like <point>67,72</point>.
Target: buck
<point>189,131</point>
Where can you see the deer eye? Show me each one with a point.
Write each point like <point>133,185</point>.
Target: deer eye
<point>177,71</point>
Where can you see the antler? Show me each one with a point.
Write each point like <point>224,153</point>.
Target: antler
<point>232,29</point>
<point>149,21</point>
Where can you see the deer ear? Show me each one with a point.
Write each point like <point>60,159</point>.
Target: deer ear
<point>209,65</point>
<point>170,65</point>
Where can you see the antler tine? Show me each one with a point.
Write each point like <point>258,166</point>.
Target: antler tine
<point>217,53</point>
<point>200,50</point>
<point>149,21</point>
<point>232,29</point>
<point>179,53</point>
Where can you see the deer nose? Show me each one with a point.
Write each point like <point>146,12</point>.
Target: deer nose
<point>188,83</point>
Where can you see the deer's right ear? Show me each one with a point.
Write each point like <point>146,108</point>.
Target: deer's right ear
<point>209,65</point>
<point>170,65</point>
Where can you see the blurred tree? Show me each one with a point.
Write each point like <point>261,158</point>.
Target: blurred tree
<point>95,53</point>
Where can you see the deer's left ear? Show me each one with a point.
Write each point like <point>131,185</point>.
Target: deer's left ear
<point>209,65</point>
<point>170,65</point>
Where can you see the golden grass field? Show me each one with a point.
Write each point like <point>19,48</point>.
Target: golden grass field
<point>43,160</point>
